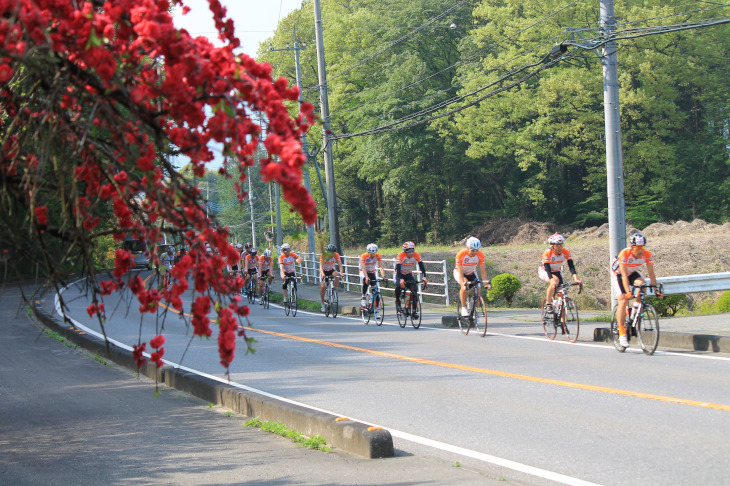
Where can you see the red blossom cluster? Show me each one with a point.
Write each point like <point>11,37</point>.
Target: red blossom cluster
<point>101,93</point>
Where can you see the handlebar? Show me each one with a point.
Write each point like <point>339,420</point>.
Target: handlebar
<point>658,288</point>
<point>565,285</point>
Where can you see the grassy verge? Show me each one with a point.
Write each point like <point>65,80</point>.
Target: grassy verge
<point>277,428</point>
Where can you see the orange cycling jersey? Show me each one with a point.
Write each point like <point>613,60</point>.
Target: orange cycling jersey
<point>328,263</point>
<point>407,262</point>
<point>265,263</point>
<point>626,259</point>
<point>286,263</point>
<point>369,262</point>
<point>252,262</point>
<point>556,261</point>
<point>469,263</point>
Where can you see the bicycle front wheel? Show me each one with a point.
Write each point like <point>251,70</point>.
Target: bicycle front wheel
<point>402,317</point>
<point>379,309</point>
<point>266,297</point>
<point>648,329</point>
<point>250,291</point>
<point>334,303</point>
<point>365,314</point>
<point>416,314</point>
<point>480,317</point>
<point>571,320</point>
<point>548,323</point>
<point>293,304</point>
<point>614,332</point>
<point>327,302</point>
<point>287,301</point>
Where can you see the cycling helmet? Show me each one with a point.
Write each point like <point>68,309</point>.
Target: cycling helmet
<point>247,245</point>
<point>473,243</point>
<point>556,239</point>
<point>285,246</point>
<point>330,248</point>
<point>372,248</point>
<point>267,253</point>
<point>637,239</point>
<point>252,251</point>
<point>239,246</point>
<point>409,246</point>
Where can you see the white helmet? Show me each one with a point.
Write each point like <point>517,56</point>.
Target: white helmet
<point>239,246</point>
<point>637,239</point>
<point>285,246</point>
<point>473,243</point>
<point>267,253</point>
<point>556,239</point>
<point>372,248</point>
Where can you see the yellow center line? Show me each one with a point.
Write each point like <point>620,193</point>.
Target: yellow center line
<point>504,374</point>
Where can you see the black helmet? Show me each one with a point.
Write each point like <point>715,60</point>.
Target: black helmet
<point>252,251</point>
<point>330,248</point>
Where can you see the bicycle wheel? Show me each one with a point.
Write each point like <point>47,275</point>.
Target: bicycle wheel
<point>250,291</point>
<point>287,297</point>
<point>365,313</point>
<point>648,329</point>
<point>548,323</point>
<point>480,317</point>
<point>572,322</point>
<point>614,332</point>
<point>379,309</point>
<point>416,313</point>
<point>327,304</point>
<point>266,296</point>
<point>334,302</point>
<point>293,297</point>
<point>464,321</point>
<point>401,315</point>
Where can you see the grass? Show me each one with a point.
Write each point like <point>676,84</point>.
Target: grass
<point>59,338</point>
<point>277,428</point>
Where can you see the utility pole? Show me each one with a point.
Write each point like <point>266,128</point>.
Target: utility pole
<point>329,169</point>
<point>305,173</point>
<point>250,205</point>
<point>614,156</point>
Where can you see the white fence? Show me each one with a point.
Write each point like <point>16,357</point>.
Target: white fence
<point>437,273</point>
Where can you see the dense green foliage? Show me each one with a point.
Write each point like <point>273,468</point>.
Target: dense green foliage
<point>535,150</point>
<point>505,285</point>
<point>669,305</point>
<point>723,303</point>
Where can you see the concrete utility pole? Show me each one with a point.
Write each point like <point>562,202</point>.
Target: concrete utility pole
<point>329,168</point>
<point>614,156</point>
<point>305,173</point>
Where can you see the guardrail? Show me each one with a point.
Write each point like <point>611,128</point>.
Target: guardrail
<point>438,276</point>
<point>702,282</point>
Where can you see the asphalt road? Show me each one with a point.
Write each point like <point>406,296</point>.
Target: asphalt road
<point>545,410</point>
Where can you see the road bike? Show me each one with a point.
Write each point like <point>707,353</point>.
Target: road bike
<point>265,294</point>
<point>412,308</point>
<point>477,311</point>
<point>166,277</point>
<point>290,297</point>
<point>641,322</point>
<point>251,289</point>
<point>375,306</point>
<point>564,315</point>
<point>331,299</point>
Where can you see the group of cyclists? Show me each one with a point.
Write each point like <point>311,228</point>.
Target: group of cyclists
<point>469,270</point>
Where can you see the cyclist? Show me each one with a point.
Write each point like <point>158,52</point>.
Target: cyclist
<point>625,275</point>
<point>404,266</point>
<point>266,262</point>
<point>467,261</point>
<point>168,260</point>
<point>327,261</point>
<point>235,266</point>
<point>369,262</point>
<point>251,269</point>
<point>287,259</point>
<point>552,264</point>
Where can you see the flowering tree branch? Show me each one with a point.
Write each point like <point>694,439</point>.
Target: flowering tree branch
<point>96,97</point>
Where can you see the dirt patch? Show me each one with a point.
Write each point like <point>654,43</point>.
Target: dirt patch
<point>515,246</point>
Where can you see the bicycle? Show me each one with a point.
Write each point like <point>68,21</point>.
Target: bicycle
<point>564,315</point>
<point>265,295</point>
<point>290,297</point>
<point>166,278</point>
<point>476,308</point>
<point>412,308</point>
<point>251,290</point>
<point>375,305</point>
<point>641,321</point>
<point>331,299</point>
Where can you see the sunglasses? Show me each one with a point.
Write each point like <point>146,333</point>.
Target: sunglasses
<point>641,247</point>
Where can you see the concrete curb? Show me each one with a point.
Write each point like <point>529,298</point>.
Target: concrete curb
<point>340,432</point>
<point>678,340</point>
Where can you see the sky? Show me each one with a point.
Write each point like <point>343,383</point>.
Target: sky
<point>254,20</point>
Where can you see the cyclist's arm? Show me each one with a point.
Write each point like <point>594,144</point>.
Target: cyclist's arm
<point>423,270</point>
<point>625,279</point>
<point>652,278</point>
<point>548,270</point>
<point>382,270</point>
<point>483,271</point>
<point>571,267</point>
<point>460,274</point>
<point>339,265</point>
<point>398,275</point>
<point>321,271</point>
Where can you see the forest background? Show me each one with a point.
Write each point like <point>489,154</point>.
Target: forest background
<point>535,151</point>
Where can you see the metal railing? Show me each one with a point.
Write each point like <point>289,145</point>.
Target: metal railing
<point>438,276</point>
<point>702,282</point>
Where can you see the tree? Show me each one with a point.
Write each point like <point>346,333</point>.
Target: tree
<point>96,97</point>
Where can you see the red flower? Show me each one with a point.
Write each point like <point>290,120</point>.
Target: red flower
<point>41,214</point>
<point>137,354</point>
<point>157,341</point>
